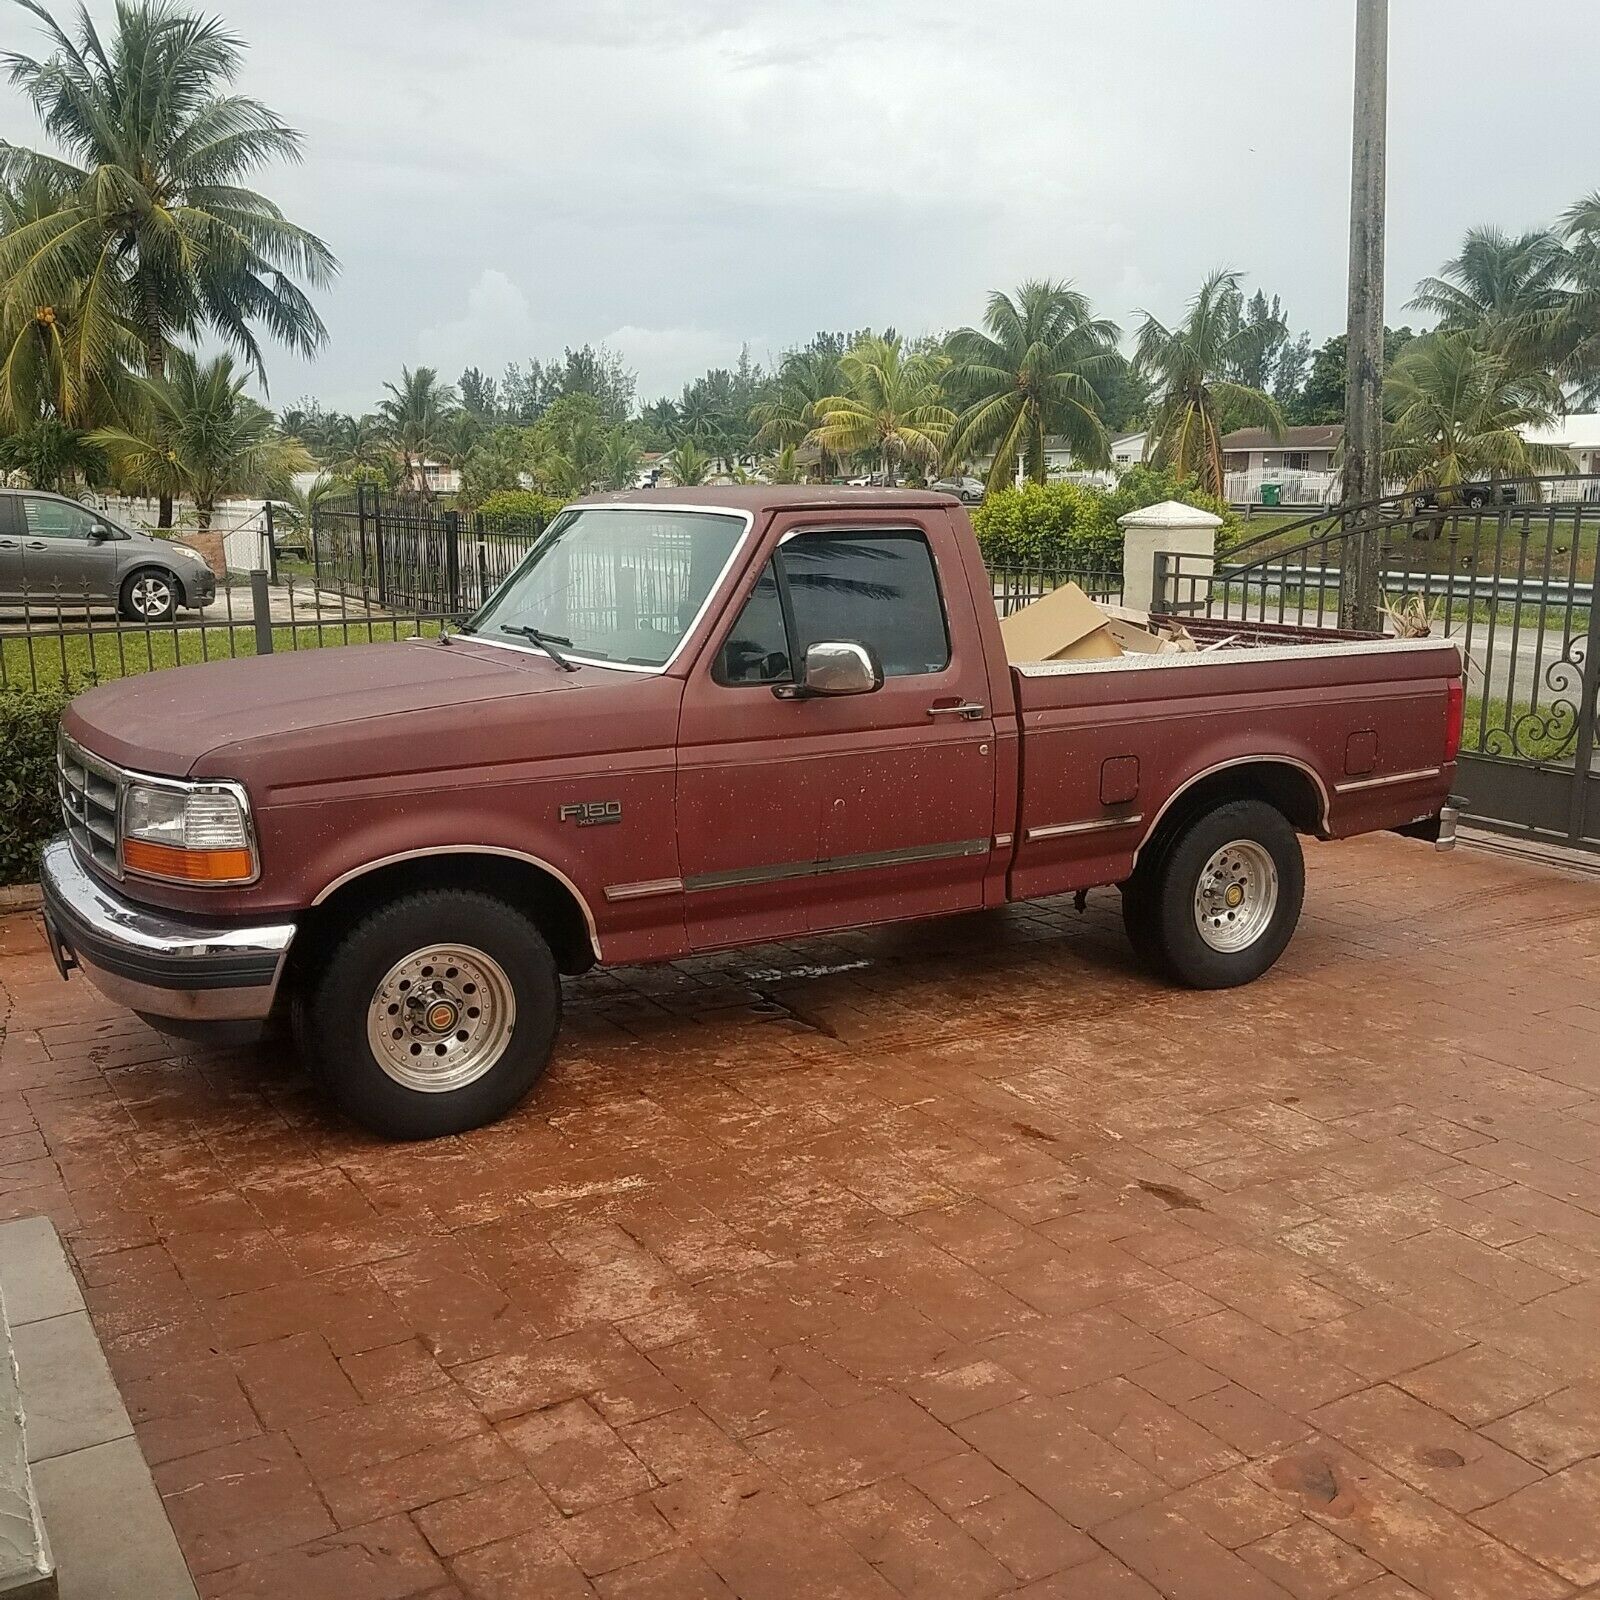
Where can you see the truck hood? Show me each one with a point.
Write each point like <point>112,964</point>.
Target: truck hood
<point>165,722</point>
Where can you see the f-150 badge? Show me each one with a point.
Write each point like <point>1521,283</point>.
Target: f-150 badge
<point>592,813</point>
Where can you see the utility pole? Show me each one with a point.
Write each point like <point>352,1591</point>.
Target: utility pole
<point>1363,401</point>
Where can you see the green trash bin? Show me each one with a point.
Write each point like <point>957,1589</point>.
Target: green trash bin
<point>1270,493</point>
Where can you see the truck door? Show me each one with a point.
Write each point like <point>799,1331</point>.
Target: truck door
<point>809,813</point>
<point>750,783</point>
<point>908,791</point>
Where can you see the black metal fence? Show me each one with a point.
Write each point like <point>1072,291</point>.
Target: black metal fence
<point>1513,581</point>
<point>1016,587</point>
<point>54,639</point>
<point>410,553</point>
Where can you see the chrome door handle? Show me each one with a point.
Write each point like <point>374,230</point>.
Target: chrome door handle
<point>37,544</point>
<point>968,711</point>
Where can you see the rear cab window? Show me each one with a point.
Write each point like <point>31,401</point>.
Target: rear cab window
<point>873,587</point>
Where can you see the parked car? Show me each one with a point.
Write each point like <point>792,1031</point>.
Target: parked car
<point>968,490</point>
<point>1474,495</point>
<point>691,721</point>
<point>54,550</point>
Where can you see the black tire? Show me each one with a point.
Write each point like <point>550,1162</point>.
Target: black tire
<point>1477,500</point>
<point>1170,913</point>
<point>331,1012</point>
<point>151,594</point>
<point>1139,923</point>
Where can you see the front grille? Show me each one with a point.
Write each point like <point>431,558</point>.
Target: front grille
<point>91,793</point>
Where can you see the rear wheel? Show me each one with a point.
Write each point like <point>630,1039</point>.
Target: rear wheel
<point>150,595</point>
<point>1219,904</point>
<point>432,1014</point>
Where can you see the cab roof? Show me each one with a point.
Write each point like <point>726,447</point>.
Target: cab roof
<point>758,497</point>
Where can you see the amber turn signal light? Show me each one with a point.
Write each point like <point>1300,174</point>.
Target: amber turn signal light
<point>186,866</point>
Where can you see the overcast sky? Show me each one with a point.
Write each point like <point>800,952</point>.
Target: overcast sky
<point>501,178</point>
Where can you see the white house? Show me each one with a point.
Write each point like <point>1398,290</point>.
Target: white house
<point>1300,464</point>
<point>1578,435</point>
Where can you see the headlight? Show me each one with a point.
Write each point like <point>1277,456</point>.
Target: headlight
<point>191,833</point>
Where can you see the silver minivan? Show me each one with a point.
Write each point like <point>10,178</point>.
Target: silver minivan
<point>56,552</point>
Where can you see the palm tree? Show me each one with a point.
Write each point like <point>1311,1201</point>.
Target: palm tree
<point>789,415</point>
<point>351,445</point>
<point>784,467</point>
<point>1032,374</point>
<point>51,455</point>
<point>892,406</point>
<point>155,231</point>
<point>619,461</point>
<point>1500,287</point>
<point>688,466</point>
<point>1187,364</point>
<point>1457,412</point>
<point>1575,325</point>
<point>47,370</point>
<point>460,434</point>
<point>197,433</point>
<point>414,419</point>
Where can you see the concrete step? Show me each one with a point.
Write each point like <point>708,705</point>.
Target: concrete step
<point>98,1529</point>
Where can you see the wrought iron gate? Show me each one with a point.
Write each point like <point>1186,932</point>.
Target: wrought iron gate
<point>1511,576</point>
<point>395,552</point>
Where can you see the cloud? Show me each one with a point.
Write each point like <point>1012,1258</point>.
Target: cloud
<point>665,358</point>
<point>503,181</point>
<point>497,319</point>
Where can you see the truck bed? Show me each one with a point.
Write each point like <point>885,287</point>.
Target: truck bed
<point>1355,728</point>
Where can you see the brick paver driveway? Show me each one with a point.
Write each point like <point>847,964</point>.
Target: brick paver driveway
<point>959,1261</point>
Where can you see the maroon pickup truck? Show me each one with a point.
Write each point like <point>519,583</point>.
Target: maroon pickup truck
<point>693,720</point>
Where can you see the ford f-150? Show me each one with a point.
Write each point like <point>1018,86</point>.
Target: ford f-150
<point>689,720</point>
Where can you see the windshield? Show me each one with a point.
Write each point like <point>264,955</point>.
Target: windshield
<point>614,583</point>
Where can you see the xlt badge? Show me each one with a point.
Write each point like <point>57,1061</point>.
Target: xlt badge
<point>592,813</point>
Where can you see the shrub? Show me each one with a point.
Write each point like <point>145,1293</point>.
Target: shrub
<point>1048,525</point>
<point>520,503</point>
<point>1074,525</point>
<point>29,810</point>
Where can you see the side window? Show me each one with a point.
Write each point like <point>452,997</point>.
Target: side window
<point>878,589</point>
<point>757,647</point>
<point>55,519</point>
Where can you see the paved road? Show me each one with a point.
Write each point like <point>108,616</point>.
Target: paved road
<point>955,1260</point>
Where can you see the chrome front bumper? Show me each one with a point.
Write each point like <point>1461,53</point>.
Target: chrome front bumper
<point>157,962</point>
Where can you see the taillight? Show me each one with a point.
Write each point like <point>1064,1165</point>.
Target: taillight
<point>1454,716</point>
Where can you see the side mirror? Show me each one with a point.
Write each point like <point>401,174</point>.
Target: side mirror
<point>99,533</point>
<point>836,667</point>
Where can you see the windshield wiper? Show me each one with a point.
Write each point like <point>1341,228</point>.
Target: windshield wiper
<point>545,641</point>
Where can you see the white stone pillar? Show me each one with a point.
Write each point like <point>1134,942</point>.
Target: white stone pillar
<point>1172,529</point>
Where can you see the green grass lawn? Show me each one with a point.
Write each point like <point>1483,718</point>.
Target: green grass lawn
<point>1467,545</point>
<point>83,658</point>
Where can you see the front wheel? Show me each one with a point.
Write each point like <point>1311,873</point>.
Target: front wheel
<point>433,1014</point>
<point>1220,903</point>
<point>150,596</point>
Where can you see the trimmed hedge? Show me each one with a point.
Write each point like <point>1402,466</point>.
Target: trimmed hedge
<point>520,503</point>
<point>29,810</point>
<point>1074,525</point>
